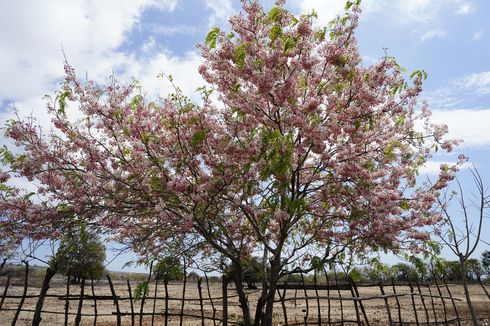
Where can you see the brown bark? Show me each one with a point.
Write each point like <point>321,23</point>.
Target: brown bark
<point>50,273</point>
<point>474,316</point>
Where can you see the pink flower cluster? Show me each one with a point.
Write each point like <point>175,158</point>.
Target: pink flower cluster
<point>309,147</point>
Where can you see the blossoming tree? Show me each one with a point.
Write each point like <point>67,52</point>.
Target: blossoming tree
<point>306,155</point>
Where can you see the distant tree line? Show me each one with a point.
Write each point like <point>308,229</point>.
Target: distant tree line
<point>416,270</point>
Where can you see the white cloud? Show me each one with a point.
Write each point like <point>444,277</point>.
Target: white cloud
<point>90,32</point>
<point>167,5</point>
<point>431,34</point>
<point>464,91</point>
<point>174,29</point>
<point>222,10</point>
<point>464,9</point>
<point>329,9</point>
<point>427,11</point>
<point>33,33</point>
<point>326,9</point>
<point>470,125</point>
<point>478,82</point>
<point>433,167</point>
<point>183,70</point>
<point>417,10</point>
<point>478,35</point>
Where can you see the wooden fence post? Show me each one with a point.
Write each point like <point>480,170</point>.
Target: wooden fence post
<point>354,297</point>
<point>387,304</point>
<point>413,305</point>
<point>144,294</point>
<point>340,297</point>
<point>484,288</point>
<point>422,298</point>
<point>306,299</point>
<point>225,299</point>
<point>21,303</point>
<point>78,318</point>
<point>165,283</point>
<point>130,301</point>
<point>397,302</point>
<point>95,301</point>
<point>366,319</point>
<point>432,302</point>
<point>154,302</point>
<point>315,281</point>
<point>183,299</point>
<point>5,292</point>
<point>67,301</point>
<point>199,288</point>
<point>329,307</point>
<point>211,299</point>
<point>452,300</point>
<point>116,302</point>
<point>442,300</point>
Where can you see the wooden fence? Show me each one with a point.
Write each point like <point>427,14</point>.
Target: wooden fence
<point>110,302</point>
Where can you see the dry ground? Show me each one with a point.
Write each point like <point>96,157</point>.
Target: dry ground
<point>296,309</point>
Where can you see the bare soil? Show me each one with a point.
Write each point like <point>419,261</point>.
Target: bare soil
<point>298,310</point>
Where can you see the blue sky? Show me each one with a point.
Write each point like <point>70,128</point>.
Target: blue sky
<point>141,38</point>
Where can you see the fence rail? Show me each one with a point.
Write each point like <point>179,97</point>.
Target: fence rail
<point>330,303</point>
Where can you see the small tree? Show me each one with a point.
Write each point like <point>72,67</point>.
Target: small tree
<point>474,270</point>
<point>169,269</point>
<point>485,261</point>
<point>404,272</point>
<point>81,254</point>
<point>452,271</point>
<point>464,241</point>
<point>311,153</point>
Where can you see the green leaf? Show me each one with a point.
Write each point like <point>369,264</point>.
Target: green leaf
<point>355,275</point>
<point>204,90</point>
<point>389,151</point>
<point>275,32</point>
<point>62,101</point>
<point>29,195</point>
<point>351,3</point>
<point>198,138</point>
<point>6,156</point>
<point>289,43</point>
<point>235,88</point>
<point>240,54</point>
<point>211,37</point>
<point>344,20</point>
<point>320,35</point>
<point>136,102</point>
<point>141,291</point>
<point>312,14</point>
<point>275,14</point>
<point>401,119</point>
<point>277,151</point>
<point>317,263</point>
<point>422,74</point>
<point>404,205</point>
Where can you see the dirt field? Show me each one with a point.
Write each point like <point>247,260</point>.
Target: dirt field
<point>296,310</point>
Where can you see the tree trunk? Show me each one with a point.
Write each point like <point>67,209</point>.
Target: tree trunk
<point>259,309</point>
<point>474,317</point>
<point>242,296</point>
<point>274,278</point>
<point>50,272</point>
